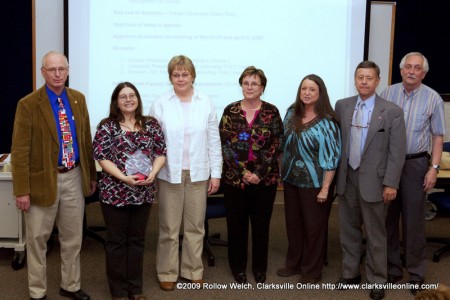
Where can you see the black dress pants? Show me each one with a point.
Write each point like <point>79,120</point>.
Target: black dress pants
<point>124,248</point>
<point>254,204</point>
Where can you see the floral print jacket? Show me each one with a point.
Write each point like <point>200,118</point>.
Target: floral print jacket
<point>263,136</point>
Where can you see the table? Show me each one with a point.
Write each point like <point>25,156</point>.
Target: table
<point>443,182</point>
<point>12,223</point>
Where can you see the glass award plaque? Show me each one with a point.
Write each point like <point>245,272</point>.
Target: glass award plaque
<point>138,164</point>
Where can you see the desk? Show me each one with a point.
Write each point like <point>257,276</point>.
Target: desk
<point>443,179</point>
<point>12,226</point>
<point>443,182</point>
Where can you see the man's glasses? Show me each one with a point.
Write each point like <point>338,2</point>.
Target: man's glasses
<point>416,68</point>
<point>358,125</point>
<point>61,70</point>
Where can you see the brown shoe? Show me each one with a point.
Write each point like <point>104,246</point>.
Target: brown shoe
<point>167,285</point>
<point>198,281</point>
<point>201,281</point>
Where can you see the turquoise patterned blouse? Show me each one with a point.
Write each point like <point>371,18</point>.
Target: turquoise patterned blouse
<point>311,152</point>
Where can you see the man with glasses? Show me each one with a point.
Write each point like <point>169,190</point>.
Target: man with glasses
<point>373,153</point>
<point>53,170</point>
<point>424,118</point>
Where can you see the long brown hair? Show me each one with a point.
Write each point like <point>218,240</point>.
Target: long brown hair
<point>322,107</point>
<point>114,112</point>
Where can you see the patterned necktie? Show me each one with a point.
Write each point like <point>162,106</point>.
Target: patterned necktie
<point>354,158</point>
<point>68,155</point>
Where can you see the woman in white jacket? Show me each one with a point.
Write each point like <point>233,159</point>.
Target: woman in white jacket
<point>193,170</point>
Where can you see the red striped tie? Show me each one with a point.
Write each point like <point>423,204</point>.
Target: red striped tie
<point>68,155</point>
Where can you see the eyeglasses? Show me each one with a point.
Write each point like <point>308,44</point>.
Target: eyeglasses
<point>125,97</point>
<point>61,70</point>
<point>177,76</point>
<point>416,68</point>
<point>359,126</point>
<point>250,84</point>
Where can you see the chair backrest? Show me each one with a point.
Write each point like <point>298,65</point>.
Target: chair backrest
<point>92,198</point>
<point>215,206</point>
<point>446,147</point>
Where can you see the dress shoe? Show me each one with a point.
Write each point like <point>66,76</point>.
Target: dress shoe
<point>41,298</point>
<point>137,297</point>
<point>198,281</point>
<point>306,280</point>
<point>260,277</point>
<point>376,294</point>
<point>201,281</point>
<point>240,277</point>
<point>285,272</point>
<point>78,295</point>
<point>167,285</point>
<point>340,284</point>
<point>416,286</point>
<point>394,279</point>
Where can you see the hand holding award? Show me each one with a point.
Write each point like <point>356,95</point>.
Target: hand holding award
<point>138,164</point>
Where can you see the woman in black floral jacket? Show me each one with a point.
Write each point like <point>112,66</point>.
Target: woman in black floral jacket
<point>250,131</point>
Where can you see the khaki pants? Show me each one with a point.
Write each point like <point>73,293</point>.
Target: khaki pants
<point>67,213</point>
<point>181,202</point>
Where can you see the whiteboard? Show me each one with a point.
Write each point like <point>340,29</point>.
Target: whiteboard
<point>381,39</point>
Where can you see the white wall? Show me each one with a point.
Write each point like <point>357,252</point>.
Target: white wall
<point>49,30</point>
<point>380,38</point>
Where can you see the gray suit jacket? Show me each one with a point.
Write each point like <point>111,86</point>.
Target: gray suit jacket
<point>384,150</point>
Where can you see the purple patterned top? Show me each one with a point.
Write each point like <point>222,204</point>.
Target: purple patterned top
<point>114,144</point>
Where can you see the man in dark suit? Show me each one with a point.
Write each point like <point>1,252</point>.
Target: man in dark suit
<point>53,170</point>
<point>373,153</point>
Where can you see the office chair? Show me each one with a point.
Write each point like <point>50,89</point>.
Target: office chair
<point>440,202</point>
<point>91,231</point>
<point>215,208</point>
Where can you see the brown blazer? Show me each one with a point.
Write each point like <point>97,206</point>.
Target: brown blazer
<point>35,146</point>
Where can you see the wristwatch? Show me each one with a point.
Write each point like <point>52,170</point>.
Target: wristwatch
<point>436,167</point>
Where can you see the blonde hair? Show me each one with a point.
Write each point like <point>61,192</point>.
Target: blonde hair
<point>182,62</point>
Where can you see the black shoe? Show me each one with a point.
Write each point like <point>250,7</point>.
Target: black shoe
<point>306,280</point>
<point>416,286</point>
<point>78,295</point>
<point>45,297</point>
<point>376,294</point>
<point>260,277</point>
<point>340,284</point>
<point>393,279</point>
<point>285,272</point>
<point>240,277</point>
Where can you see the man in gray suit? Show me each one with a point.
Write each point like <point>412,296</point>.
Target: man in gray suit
<point>373,153</point>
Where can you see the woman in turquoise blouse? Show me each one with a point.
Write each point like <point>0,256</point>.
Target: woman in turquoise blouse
<point>311,151</point>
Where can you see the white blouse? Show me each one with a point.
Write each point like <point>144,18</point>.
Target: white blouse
<point>205,151</point>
